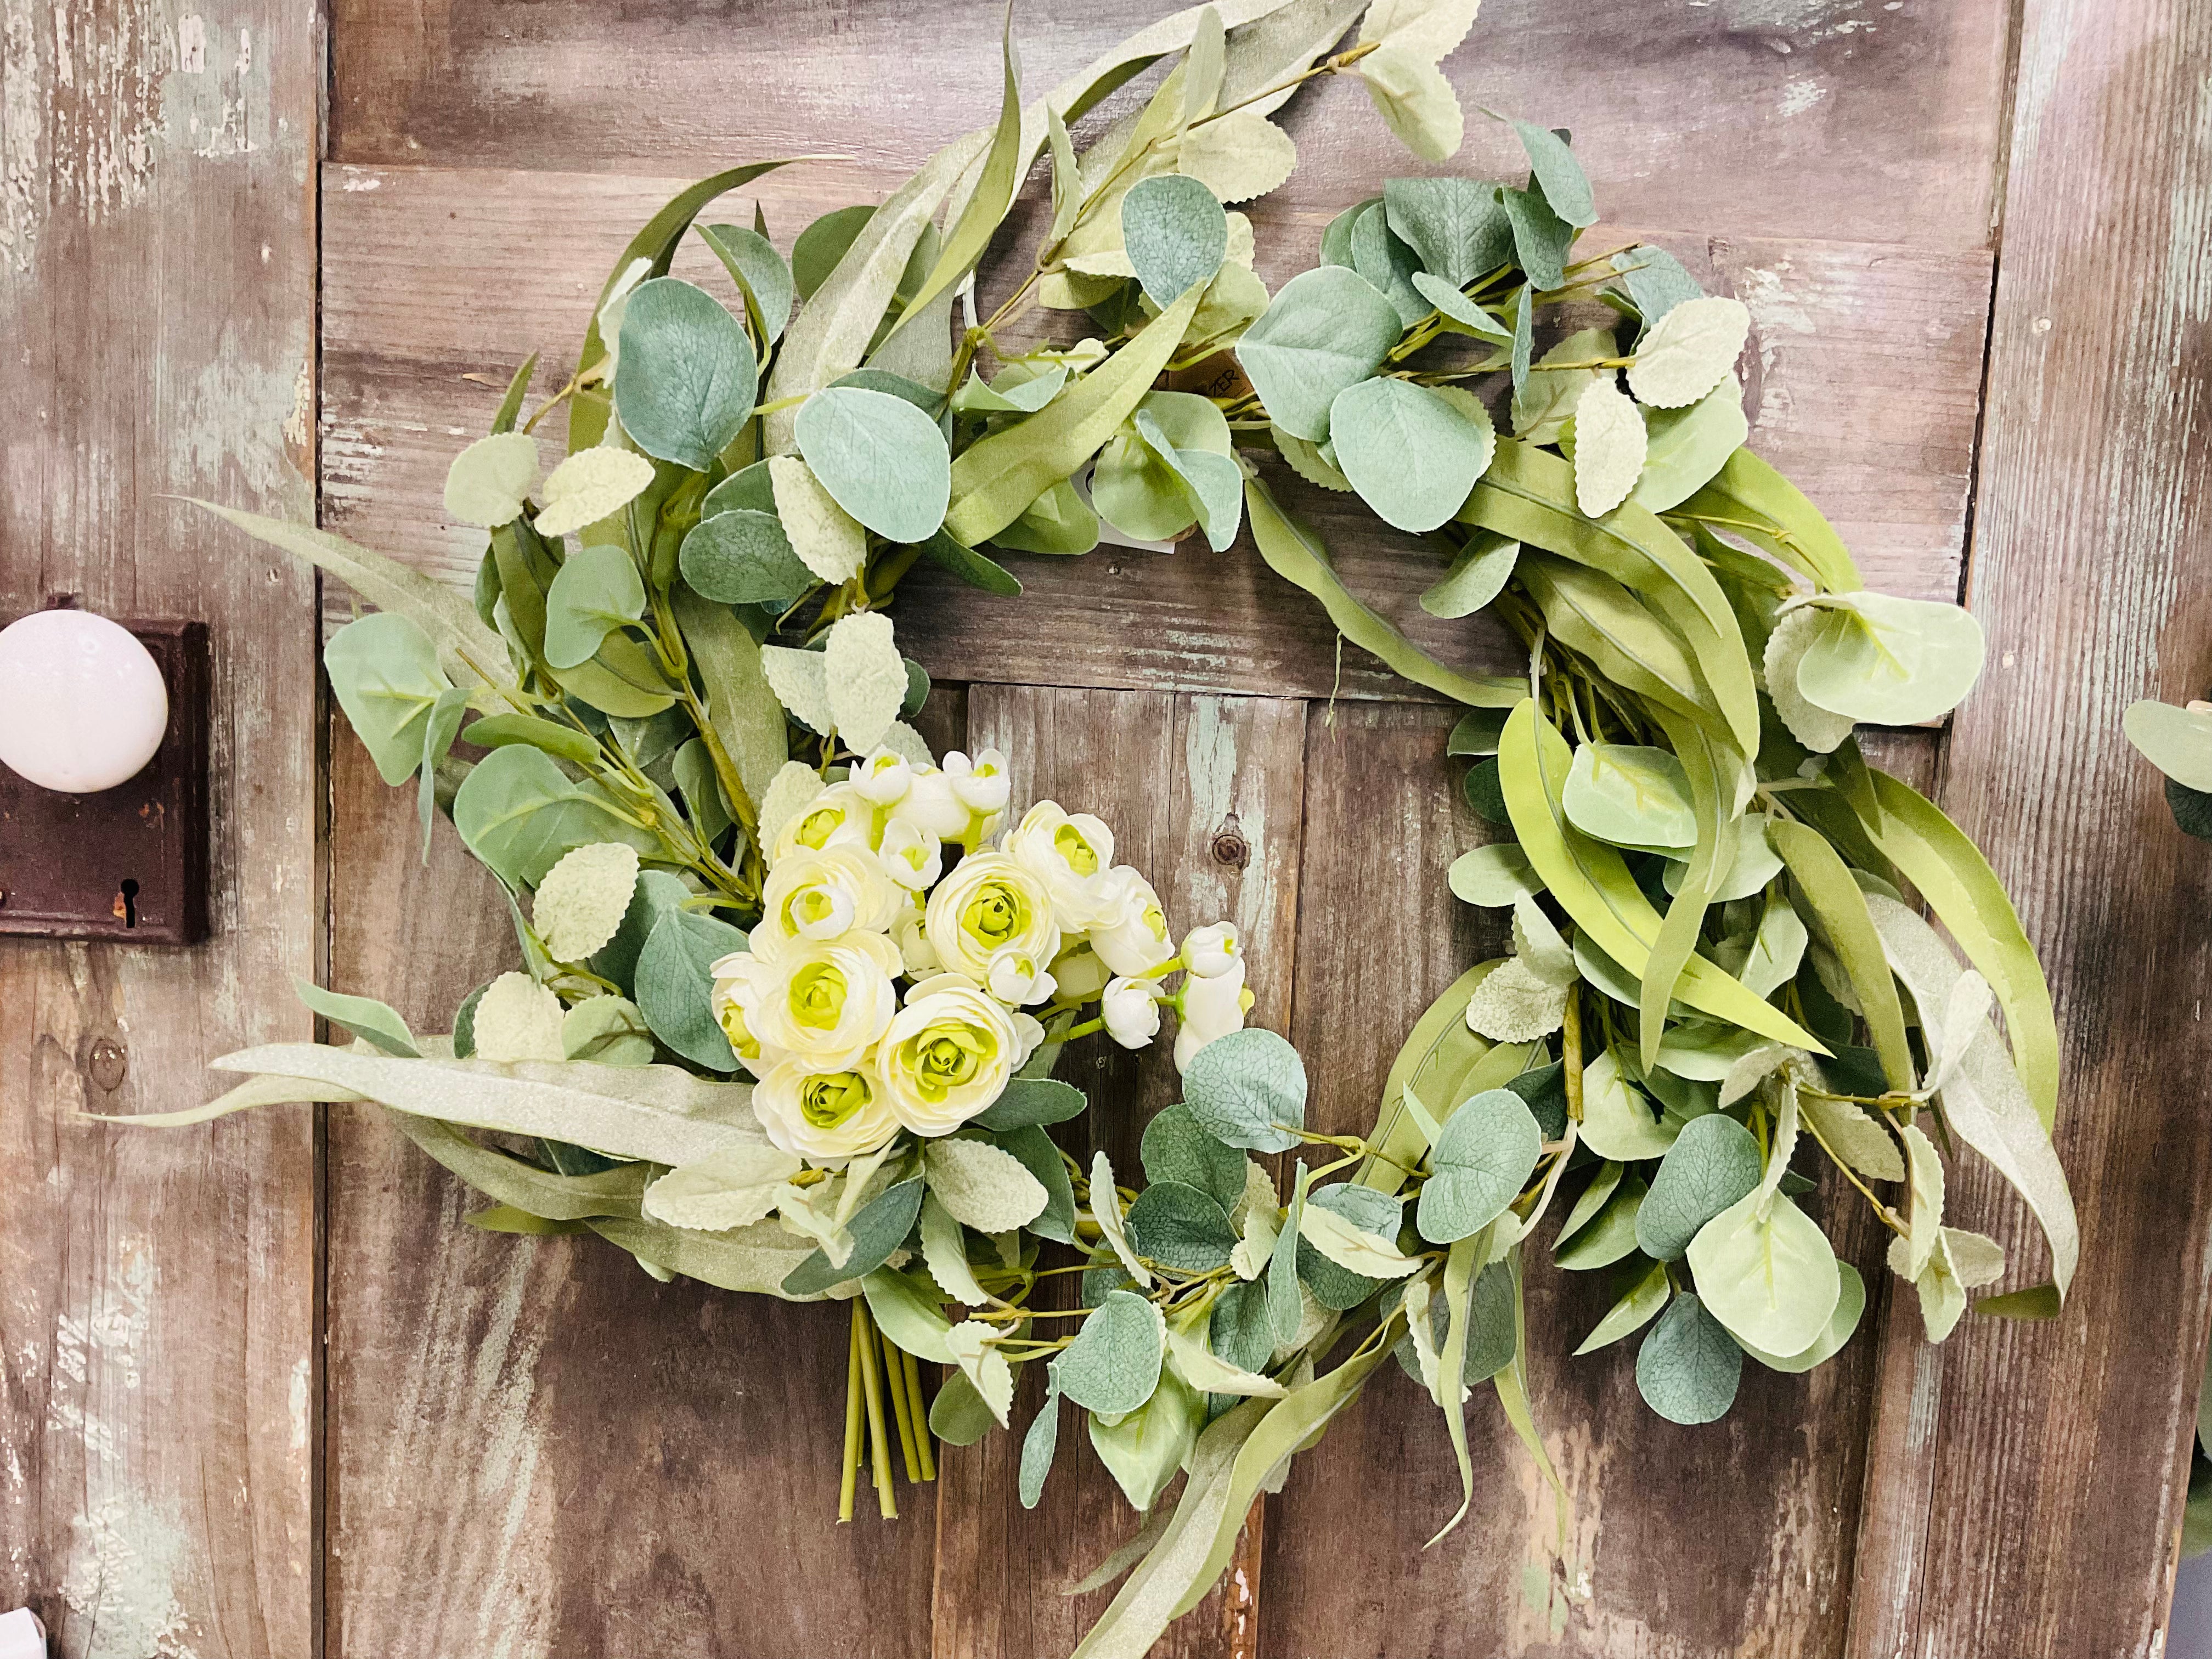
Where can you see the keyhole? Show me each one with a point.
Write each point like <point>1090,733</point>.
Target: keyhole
<point>129,898</point>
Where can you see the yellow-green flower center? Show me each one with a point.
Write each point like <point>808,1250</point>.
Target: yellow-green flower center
<point>818,996</point>
<point>1156,919</point>
<point>734,1027</point>
<point>810,906</point>
<point>996,915</point>
<point>945,1055</point>
<point>1074,851</point>
<point>817,826</point>
<point>827,1101</point>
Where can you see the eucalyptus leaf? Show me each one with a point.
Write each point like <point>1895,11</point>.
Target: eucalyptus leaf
<point>1114,1363</point>
<point>385,670</point>
<point>1566,187</point>
<point>365,1017</point>
<point>596,591</point>
<point>518,814</point>
<point>685,377</point>
<point>1326,330</point>
<point>1175,233</point>
<point>1178,1148</point>
<point>1637,1307</point>
<point>1713,1162</point>
<point>1484,1155</point>
<point>1411,452</point>
<point>877,1228</point>
<point>1477,576</point>
<point>1181,1227</point>
<point>882,461</point>
<point>1766,1272</point>
<point>1689,1366</point>
<point>743,557</point>
<point>1655,280</point>
<point>1457,227</point>
<point>1247,1089</point>
<point>674,982</point>
<point>760,273</point>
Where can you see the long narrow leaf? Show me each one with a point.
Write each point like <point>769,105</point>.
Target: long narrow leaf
<point>615,1192</point>
<point>1841,910</point>
<point>1748,498</point>
<point>1685,916</point>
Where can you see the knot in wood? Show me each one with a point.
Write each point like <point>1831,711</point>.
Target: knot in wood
<point>107,1064</point>
<point>1231,847</point>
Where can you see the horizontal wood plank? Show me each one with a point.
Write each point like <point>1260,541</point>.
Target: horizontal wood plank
<point>1816,117</point>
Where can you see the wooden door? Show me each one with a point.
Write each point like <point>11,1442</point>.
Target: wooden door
<point>265,1394</point>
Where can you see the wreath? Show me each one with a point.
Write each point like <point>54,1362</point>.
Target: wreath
<point>791,988</point>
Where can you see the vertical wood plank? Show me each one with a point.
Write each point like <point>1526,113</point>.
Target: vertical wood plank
<point>2091,552</point>
<point>157,1354</point>
<point>1190,786</point>
<point>534,1448</point>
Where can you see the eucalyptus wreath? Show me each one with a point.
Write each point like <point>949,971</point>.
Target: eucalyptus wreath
<point>792,989</point>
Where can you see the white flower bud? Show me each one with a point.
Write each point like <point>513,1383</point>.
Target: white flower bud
<point>1210,951</point>
<point>913,857</point>
<point>1019,980</point>
<point>1131,1011</point>
<point>981,785</point>
<point>883,777</point>
<point>931,804</point>
<point>1208,1008</point>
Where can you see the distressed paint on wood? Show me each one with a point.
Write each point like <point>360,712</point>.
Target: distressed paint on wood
<point>1727,118</point>
<point>535,1450</point>
<point>1188,785</point>
<point>2090,576</point>
<point>158,1368</point>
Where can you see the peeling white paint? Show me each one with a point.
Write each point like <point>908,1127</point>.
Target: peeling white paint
<point>125,1561</point>
<point>1800,95</point>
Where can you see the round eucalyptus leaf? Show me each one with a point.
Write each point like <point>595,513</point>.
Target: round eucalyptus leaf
<point>1630,795</point>
<point>881,459</point>
<point>1492,876</point>
<point>1687,446</point>
<point>1176,1148</point>
<point>743,557</point>
<point>685,376</point>
<point>1325,329</point>
<point>1114,1364</point>
<point>1487,1151</point>
<point>1247,1089</point>
<point>1689,1367</point>
<point>1850,1304</point>
<point>1891,661</point>
<point>757,270</point>
<point>1770,1277</point>
<point>385,670</point>
<point>2177,741</point>
<point>1617,1119</point>
<point>1175,234</point>
<point>752,487</point>
<point>518,814</point>
<point>1334,1286</point>
<point>1411,453</point>
<point>1456,228</point>
<point>596,591</point>
<point>1713,1162</point>
<point>1179,1226</point>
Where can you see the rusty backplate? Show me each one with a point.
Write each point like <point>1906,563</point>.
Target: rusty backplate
<point>129,863</point>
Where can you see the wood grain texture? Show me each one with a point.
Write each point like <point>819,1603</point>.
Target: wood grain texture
<point>157,1321</point>
<point>2090,576</point>
<point>1785,117</point>
<point>1189,786</point>
<point>1862,381</point>
<point>1769,1495</point>
<point>533,1448</point>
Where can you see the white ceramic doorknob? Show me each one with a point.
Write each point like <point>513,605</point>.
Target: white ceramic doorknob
<point>83,704</point>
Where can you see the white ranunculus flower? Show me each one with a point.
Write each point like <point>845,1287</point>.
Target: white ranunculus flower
<point>1133,936</point>
<point>981,785</point>
<point>741,979</point>
<point>829,999</point>
<point>911,933</point>
<point>988,904</point>
<point>1020,979</point>
<point>883,777</point>
<point>1072,855</point>
<point>1206,1009</point>
<point>1081,974</point>
<point>840,815</point>
<point>1210,951</point>
<point>822,1113</point>
<point>911,856</point>
<point>949,1052</point>
<point>824,896</point>
<point>1131,1011</point>
<point>929,803</point>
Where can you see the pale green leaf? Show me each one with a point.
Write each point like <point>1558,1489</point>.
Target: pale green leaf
<point>1414,101</point>
<point>828,540</point>
<point>591,484</point>
<point>1687,447</point>
<point>1609,447</point>
<point>1770,1279</point>
<point>385,673</point>
<point>1494,877</point>
<point>685,376</point>
<point>1617,1120</point>
<point>1484,1155</point>
<point>596,591</point>
<point>1114,1363</point>
<point>488,482</point>
<point>1689,1366</point>
<point>1713,1162</point>
<point>1477,576</point>
<point>1638,1305</point>
<point>1689,351</point>
<point>734,1188</point>
<point>983,1186</point>
<point>583,898</point>
<point>879,458</point>
<point>1237,156</point>
<point>1411,452</point>
<point>1326,330</point>
<point>1893,662</point>
<point>2177,741</point>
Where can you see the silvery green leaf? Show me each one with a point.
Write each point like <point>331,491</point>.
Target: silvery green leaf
<point>597,591</point>
<point>1751,861</point>
<point>488,482</point>
<point>944,1253</point>
<point>1618,1121</point>
<point>1689,351</point>
<point>518,812</point>
<point>685,379</point>
<point>1687,447</point>
<point>1547,397</point>
<point>1012,392</point>
<point>1239,1330</point>
<point>580,903</point>
<point>609,1032</point>
<point>2177,741</point>
<point>1031,1100</point>
<point>1942,1297</point>
<point>365,1017</point>
<point>1926,1214</point>
<point>1494,876</point>
<point>1114,1364</point>
<point>881,459</point>
<point>983,1186</point>
<point>1850,1304</point>
<point>1351,1246</point>
<point>1484,1155</point>
<point>1515,1003</point>
<point>829,541</point>
<point>1412,452</point>
<point>1106,1211</point>
<point>1325,329</point>
<point>1042,1442</point>
<point>385,670</point>
<point>909,1314</point>
<point>1813,726</point>
<point>1522,305</point>
<point>759,272</point>
<point>1655,280</point>
<point>1033,1148</point>
<point>1477,576</point>
<point>1176,1148</point>
<point>1630,795</point>
<point>1336,240</point>
<point>1566,189</point>
<point>1388,263</point>
<point>1248,1090</point>
<point>1175,234</point>
<point>1181,1227</point>
<point>1147,1448</point>
<point>1456,228</point>
<point>970,1344</point>
<point>1770,1279</point>
<point>1470,317</point>
<point>1414,101</point>
<point>1286,1301</point>
<point>1689,1366</point>
<point>1854,1137</point>
<point>743,557</point>
<point>674,983</point>
<point>1891,661</point>
<point>1610,444</point>
<point>1537,943</point>
<point>1541,240</point>
<point>1429,28</point>
<point>733,1188</point>
<point>1237,156</point>
<point>864,677</point>
<point>1212,480</point>
<point>1638,1305</point>
<point>1713,1162</point>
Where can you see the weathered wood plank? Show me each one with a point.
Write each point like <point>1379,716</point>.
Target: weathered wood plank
<point>1190,786</point>
<point>1769,1495</point>
<point>434,274</point>
<point>613,1465</point>
<point>158,1366</point>
<point>1814,118</point>
<point>2091,540</point>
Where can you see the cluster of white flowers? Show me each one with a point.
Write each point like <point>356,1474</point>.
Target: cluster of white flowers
<point>881,992</point>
